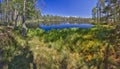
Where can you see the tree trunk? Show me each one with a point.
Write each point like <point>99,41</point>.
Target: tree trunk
<point>15,18</point>
<point>97,16</point>
<point>119,10</point>
<point>24,31</point>
<point>6,16</point>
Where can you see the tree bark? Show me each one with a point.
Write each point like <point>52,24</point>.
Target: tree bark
<point>24,31</point>
<point>15,18</point>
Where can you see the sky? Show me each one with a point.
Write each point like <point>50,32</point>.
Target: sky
<point>79,8</point>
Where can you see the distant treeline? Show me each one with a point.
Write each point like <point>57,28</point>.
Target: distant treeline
<point>50,19</point>
<point>71,19</point>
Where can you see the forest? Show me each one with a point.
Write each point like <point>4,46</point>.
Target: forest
<point>23,45</point>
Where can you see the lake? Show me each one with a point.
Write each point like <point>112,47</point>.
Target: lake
<point>65,25</point>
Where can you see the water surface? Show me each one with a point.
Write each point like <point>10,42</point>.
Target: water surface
<point>66,25</point>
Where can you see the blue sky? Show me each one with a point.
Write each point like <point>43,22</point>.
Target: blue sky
<point>80,8</point>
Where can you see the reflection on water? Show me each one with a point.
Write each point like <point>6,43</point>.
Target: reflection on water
<point>65,25</point>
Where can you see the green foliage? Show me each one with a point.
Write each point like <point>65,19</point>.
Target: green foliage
<point>12,54</point>
<point>89,43</point>
<point>103,11</point>
<point>62,49</point>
